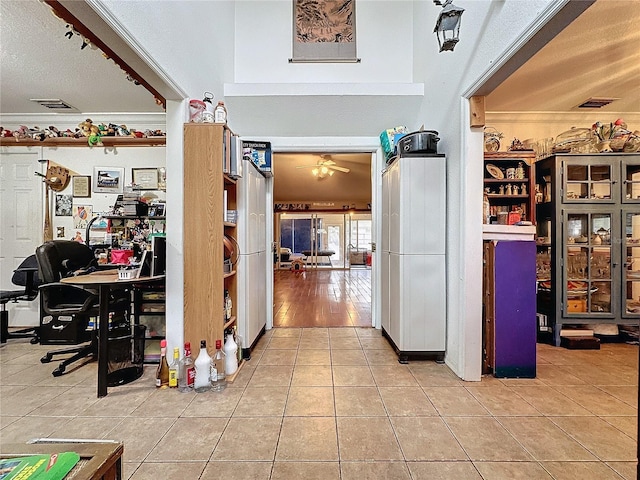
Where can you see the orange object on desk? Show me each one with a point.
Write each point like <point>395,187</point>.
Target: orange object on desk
<point>514,217</point>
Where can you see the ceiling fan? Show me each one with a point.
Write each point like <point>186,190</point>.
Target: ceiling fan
<point>325,167</point>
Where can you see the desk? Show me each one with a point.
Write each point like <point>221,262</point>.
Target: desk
<point>314,254</point>
<point>98,461</point>
<point>104,280</point>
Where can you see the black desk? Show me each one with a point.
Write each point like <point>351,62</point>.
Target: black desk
<point>104,280</point>
<point>318,253</point>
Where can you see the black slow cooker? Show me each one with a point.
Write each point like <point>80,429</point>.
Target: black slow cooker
<point>423,141</point>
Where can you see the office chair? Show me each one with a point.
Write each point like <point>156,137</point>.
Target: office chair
<point>26,275</point>
<point>66,309</point>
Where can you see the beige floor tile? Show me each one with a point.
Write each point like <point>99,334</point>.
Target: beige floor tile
<point>246,373</point>
<point>484,439</point>
<point>312,376</point>
<point>363,332</point>
<point>249,439</point>
<point>375,343</point>
<point>87,427</point>
<point>342,332</point>
<point>597,375</point>
<point>317,332</point>
<point>580,470</point>
<point>381,357</point>
<point>348,376</point>
<point>319,343</point>
<point>27,428</point>
<point>500,400</point>
<point>451,401</point>
<point>626,393</point>
<point>203,434</point>
<point>556,375</point>
<point>627,470</point>
<point>306,471</point>
<point>286,332</point>
<point>213,404</point>
<point>310,402</point>
<point>406,402</point>
<point>163,403</point>
<point>628,425</point>
<point>431,374</point>
<point>313,357</point>
<point>20,401</point>
<point>139,435</point>
<point>367,439</point>
<point>7,420</point>
<point>549,401</point>
<point>348,357</point>
<point>374,471</point>
<point>426,438</point>
<point>603,440</point>
<point>271,376</point>
<point>118,403</point>
<point>68,403</point>
<point>443,471</point>
<point>226,470</point>
<point>544,440</point>
<point>261,401</point>
<point>595,400</point>
<point>393,376</point>
<point>308,439</point>
<point>128,468</point>
<point>341,343</point>
<point>155,471</point>
<point>78,374</point>
<point>274,356</point>
<point>358,402</point>
<point>512,471</point>
<point>283,343</point>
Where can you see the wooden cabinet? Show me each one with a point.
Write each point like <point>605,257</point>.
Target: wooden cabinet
<point>588,253</point>
<point>205,278</point>
<point>509,185</point>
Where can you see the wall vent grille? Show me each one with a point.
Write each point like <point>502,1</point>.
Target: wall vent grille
<point>54,104</point>
<point>596,102</point>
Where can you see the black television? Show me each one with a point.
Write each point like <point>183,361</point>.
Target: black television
<point>159,249</point>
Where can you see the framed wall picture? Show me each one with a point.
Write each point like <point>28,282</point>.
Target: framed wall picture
<point>145,178</point>
<point>157,210</point>
<point>64,203</point>
<point>108,179</point>
<point>81,186</point>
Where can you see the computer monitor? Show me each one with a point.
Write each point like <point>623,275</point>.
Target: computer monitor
<point>159,249</point>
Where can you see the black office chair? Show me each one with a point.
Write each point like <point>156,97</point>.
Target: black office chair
<point>66,309</point>
<point>26,275</point>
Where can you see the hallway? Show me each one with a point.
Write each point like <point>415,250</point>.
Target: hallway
<point>322,298</point>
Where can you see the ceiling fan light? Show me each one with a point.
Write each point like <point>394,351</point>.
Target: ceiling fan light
<point>331,172</point>
<point>315,172</point>
<point>324,170</point>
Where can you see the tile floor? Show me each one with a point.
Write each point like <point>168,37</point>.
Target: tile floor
<point>320,403</point>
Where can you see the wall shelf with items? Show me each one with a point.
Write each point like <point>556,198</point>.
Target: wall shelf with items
<point>509,186</point>
<point>588,240</point>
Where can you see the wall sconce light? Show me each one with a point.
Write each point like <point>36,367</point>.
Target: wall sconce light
<point>448,25</point>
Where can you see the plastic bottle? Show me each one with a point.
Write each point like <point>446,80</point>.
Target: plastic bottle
<point>231,354</point>
<point>187,373</point>
<point>218,376</point>
<point>220,113</point>
<point>202,382</point>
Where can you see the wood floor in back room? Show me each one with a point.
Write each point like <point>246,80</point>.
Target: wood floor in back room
<point>322,298</point>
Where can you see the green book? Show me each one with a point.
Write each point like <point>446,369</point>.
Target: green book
<point>38,467</point>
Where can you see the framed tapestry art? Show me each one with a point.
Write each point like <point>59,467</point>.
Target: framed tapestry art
<point>324,31</point>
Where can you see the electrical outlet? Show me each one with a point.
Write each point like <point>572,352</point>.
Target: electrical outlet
<point>60,232</point>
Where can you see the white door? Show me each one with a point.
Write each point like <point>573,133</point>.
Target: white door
<point>21,224</point>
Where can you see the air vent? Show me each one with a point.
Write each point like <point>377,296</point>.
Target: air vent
<point>596,102</point>
<point>54,104</point>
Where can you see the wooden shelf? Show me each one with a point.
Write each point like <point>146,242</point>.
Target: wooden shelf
<point>231,321</point>
<point>82,142</point>
<point>230,224</point>
<point>506,180</point>
<point>230,274</point>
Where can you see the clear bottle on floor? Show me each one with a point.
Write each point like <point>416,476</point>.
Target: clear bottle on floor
<point>218,377</point>
<point>162,373</point>
<point>202,382</point>
<point>187,373</point>
<point>174,369</point>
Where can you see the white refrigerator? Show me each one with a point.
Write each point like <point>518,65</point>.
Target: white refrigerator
<point>413,255</point>
<point>254,263</point>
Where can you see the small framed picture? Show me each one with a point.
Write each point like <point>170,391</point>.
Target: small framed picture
<point>81,186</point>
<point>157,210</point>
<point>145,178</point>
<point>108,179</point>
<point>64,203</point>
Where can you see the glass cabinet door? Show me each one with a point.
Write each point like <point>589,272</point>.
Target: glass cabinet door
<point>587,265</point>
<point>631,270</point>
<point>588,181</point>
<point>631,181</point>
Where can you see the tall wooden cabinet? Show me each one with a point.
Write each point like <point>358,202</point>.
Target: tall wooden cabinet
<point>205,278</point>
<point>588,253</point>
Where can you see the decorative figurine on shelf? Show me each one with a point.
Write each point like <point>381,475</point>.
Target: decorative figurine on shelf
<point>520,171</point>
<point>492,139</point>
<point>501,190</point>
<point>539,195</point>
<point>509,190</point>
<point>516,145</point>
<point>91,131</point>
<point>523,189</point>
<point>515,189</point>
